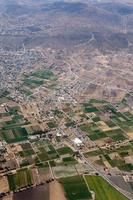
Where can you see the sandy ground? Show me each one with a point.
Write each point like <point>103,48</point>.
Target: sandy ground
<point>130,134</point>
<point>3,184</point>
<point>103,126</point>
<point>7,198</point>
<point>56,191</point>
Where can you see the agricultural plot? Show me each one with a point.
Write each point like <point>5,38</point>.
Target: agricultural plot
<point>25,91</point>
<point>116,135</point>
<point>43,74</point>
<point>103,191</point>
<point>115,157</point>
<point>52,124</point>
<point>44,172</point>
<point>94,133</point>
<point>127,125</point>
<point>15,121</point>
<point>57,113</point>
<point>93,153</point>
<point>27,150</point>
<point>10,126</point>
<point>44,156</point>
<point>69,123</point>
<point>46,151</point>
<point>98,135</point>
<point>69,160</point>
<point>90,109</point>
<point>96,157</point>
<point>33,129</point>
<point>96,119</point>
<point>21,179</point>
<point>14,135</point>
<point>26,153</point>
<point>3,93</point>
<point>110,123</point>
<point>89,128</point>
<point>65,161</point>
<point>128,115</point>
<point>32,83</point>
<point>98,130</point>
<point>118,159</point>
<point>98,101</point>
<point>11,118</point>
<point>75,188</point>
<point>65,150</point>
<point>62,170</point>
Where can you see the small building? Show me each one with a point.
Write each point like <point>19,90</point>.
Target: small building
<point>78,142</point>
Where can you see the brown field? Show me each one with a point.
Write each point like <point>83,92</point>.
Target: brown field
<point>4,187</point>
<point>56,191</point>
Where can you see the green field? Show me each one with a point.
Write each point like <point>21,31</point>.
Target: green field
<point>65,150</point>
<point>90,109</point>
<point>21,179</point>
<point>47,154</point>
<point>93,153</point>
<point>52,124</point>
<point>69,160</point>
<point>93,130</point>
<point>32,83</point>
<point>118,137</point>
<point>46,74</point>
<point>97,136</point>
<point>102,189</point>
<point>14,135</point>
<point>75,188</point>
<point>89,127</point>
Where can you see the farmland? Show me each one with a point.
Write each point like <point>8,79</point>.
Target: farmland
<point>21,179</point>
<point>71,186</point>
<point>43,150</point>
<point>66,99</point>
<point>103,191</point>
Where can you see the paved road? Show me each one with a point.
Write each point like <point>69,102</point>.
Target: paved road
<point>125,193</point>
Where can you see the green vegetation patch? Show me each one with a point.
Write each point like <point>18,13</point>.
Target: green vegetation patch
<point>65,150</point>
<point>57,112</point>
<point>93,153</point>
<point>14,135</point>
<point>126,167</point>
<point>75,188</point>
<point>97,136</point>
<point>89,128</point>
<point>94,132</point>
<point>33,82</point>
<point>96,119</point>
<point>69,160</point>
<point>116,134</point>
<point>102,189</point>
<point>44,74</point>
<point>98,101</point>
<point>90,109</point>
<point>26,153</point>
<point>3,93</point>
<point>45,155</point>
<point>52,124</point>
<point>69,123</point>
<point>25,91</point>
<point>118,137</point>
<point>22,178</point>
